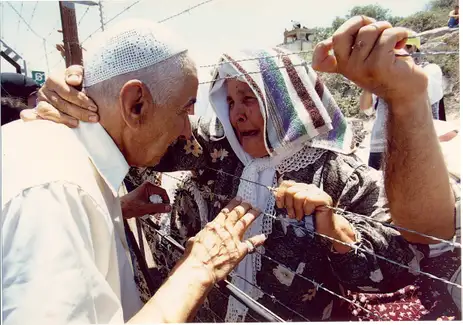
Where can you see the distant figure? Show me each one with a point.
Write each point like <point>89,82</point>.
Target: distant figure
<point>18,92</point>
<point>454,17</point>
<point>11,109</point>
<point>16,85</point>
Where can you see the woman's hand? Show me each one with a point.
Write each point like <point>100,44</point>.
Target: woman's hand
<point>137,203</point>
<point>300,200</point>
<point>219,247</point>
<point>61,102</point>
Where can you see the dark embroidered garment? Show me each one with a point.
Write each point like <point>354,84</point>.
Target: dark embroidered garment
<point>353,187</point>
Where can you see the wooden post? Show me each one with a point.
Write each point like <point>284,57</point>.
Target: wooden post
<point>73,51</point>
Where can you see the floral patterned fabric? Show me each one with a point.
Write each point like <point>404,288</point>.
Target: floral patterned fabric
<point>294,256</point>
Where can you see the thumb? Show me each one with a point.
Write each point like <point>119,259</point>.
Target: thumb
<point>322,59</point>
<point>28,115</point>
<point>74,75</point>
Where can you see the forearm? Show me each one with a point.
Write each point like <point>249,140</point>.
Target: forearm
<point>416,179</point>
<point>366,100</point>
<point>178,299</point>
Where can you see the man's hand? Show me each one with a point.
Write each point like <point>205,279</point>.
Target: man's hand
<point>61,102</point>
<point>219,247</point>
<point>137,203</point>
<point>301,199</point>
<point>364,51</point>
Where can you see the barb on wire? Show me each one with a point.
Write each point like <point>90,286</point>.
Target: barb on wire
<point>33,11</point>
<point>342,211</point>
<point>83,15</point>
<point>185,11</point>
<point>22,18</point>
<point>316,284</point>
<point>248,73</point>
<point>110,20</point>
<point>352,246</point>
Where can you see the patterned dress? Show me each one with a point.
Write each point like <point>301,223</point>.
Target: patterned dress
<point>381,290</point>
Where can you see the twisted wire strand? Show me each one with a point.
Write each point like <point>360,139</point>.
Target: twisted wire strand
<point>352,246</point>
<point>342,211</point>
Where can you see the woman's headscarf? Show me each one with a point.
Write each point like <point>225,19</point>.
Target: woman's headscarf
<point>301,120</point>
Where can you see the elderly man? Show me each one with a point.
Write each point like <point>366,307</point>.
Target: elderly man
<point>65,254</point>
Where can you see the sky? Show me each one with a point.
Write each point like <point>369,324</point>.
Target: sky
<point>207,30</point>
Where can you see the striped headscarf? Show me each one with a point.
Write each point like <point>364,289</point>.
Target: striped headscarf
<point>300,119</point>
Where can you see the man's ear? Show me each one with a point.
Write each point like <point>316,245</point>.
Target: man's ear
<point>134,98</point>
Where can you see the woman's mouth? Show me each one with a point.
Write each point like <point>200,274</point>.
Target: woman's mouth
<point>248,134</point>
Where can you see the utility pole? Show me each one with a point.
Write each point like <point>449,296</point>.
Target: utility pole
<point>73,52</point>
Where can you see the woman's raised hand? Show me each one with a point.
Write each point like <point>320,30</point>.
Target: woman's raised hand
<point>60,101</point>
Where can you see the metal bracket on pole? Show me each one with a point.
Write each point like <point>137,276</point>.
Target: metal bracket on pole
<point>13,58</point>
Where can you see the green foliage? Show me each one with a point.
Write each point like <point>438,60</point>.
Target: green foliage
<point>442,4</point>
<point>425,20</point>
<point>374,11</point>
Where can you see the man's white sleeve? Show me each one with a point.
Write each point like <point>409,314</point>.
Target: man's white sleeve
<point>50,272</point>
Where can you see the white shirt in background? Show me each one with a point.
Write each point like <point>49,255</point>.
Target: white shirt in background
<point>65,255</point>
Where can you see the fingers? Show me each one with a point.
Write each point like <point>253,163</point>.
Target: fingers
<point>28,115</point>
<point>152,189</point>
<point>47,112</point>
<point>366,40</point>
<point>389,40</point>
<point>280,193</point>
<point>220,219</point>
<point>237,213</point>
<point>322,60</point>
<point>256,241</point>
<point>344,37</point>
<point>153,208</point>
<point>57,84</point>
<point>243,224</point>
<point>63,105</point>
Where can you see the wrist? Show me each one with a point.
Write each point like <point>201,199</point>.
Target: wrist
<point>414,104</point>
<point>345,233</point>
<point>196,272</point>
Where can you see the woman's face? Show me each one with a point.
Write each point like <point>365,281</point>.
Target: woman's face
<point>246,119</point>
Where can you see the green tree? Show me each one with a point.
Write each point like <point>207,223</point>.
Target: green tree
<point>374,11</point>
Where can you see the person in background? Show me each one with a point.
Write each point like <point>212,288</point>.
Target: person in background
<point>454,18</point>
<point>11,109</point>
<point>18,93</point>
<point>370,102</point>
<point>16,85</point>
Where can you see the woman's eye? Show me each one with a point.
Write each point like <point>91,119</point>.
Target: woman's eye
<point>230,105</point>
<point>249,100</point>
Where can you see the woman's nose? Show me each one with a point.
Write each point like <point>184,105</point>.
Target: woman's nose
<point>186,132</point>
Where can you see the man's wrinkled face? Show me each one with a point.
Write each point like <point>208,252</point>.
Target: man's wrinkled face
<point>246,118</point>
<point>163,124</point>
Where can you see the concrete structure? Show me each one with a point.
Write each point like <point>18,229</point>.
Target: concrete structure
<point>298,39</point>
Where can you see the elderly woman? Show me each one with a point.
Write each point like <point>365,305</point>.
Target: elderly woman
<point>277,126</point>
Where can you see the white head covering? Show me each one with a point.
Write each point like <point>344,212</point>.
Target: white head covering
<point>301,119</point>
<point>128,46</point>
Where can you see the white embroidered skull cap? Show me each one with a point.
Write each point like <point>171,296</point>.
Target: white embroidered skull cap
<point>128,46</point>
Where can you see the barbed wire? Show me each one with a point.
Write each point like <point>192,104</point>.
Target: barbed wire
<point>83,15</point>
<point>160,21</point>
<point>19,20</point>
<point>110,20</point>
<point>33,11</point>
<point>24,20</point>
<point>316,284</point>
<point>342,211</point>
<point>352,246</point>
<point>184,11</point>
